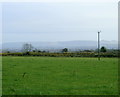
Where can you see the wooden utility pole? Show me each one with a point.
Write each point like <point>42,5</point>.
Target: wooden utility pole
<point>99,45</point>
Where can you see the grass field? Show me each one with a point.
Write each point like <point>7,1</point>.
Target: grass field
<point>59,76</point>
<point>0,76</point>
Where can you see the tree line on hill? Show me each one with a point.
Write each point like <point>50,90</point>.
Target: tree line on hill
<point>29,50</point>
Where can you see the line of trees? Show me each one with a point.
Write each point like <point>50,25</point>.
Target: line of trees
<point>29,48</point>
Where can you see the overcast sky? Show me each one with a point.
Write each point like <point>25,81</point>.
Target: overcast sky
<point>59,21</point>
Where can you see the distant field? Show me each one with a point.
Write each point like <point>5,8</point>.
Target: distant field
<point>59,76</point>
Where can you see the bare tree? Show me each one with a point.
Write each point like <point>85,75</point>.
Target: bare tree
<point>27,47</point>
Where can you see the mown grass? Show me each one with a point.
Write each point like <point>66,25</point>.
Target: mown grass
<point>0,76</point>
<point>59,76</point>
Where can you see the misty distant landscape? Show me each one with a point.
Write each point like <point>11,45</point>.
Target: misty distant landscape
<point>53,46</point>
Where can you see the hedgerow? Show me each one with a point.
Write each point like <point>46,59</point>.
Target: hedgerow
<point>65,54</point>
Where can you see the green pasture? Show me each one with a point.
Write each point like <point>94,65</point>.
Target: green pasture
<point>59,76</point>
<point>0,76</point>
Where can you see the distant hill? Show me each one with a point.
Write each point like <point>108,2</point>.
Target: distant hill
<point>62,44</point>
